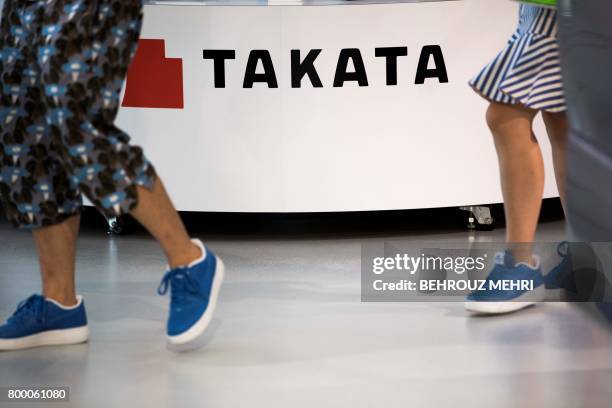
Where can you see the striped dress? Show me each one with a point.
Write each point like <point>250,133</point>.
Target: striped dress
<point>528,70</point>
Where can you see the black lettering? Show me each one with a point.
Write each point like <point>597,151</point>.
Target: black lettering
<point>268,76</point>
<point>439,71</point>
<point>391,54</point>
<point>342,75</point>
<point>299,69</point>
<point>219,57</point>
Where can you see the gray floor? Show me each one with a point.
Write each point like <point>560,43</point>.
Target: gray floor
<point>291,331</point>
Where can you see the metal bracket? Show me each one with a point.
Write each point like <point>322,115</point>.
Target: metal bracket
<point>114,226</point>
<point>479,217</point>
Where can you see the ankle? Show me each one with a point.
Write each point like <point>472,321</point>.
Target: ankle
<point>191,253</point>
<point>64,299</point>
<point>528,259</point>
<point>522,252</point>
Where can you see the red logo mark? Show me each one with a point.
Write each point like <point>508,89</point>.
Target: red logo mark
<point>154,81</point>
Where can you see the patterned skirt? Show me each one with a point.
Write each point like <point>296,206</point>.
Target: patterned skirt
<point>528,70</point>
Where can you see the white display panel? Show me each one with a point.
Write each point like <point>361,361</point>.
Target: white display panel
<point>325,149</point>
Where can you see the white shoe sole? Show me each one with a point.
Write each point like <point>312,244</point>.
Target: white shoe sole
<point>200,326</point>
<point>48,338</point>
<point>525,300</point>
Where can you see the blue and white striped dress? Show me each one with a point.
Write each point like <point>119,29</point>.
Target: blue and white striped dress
<point>528,70</point>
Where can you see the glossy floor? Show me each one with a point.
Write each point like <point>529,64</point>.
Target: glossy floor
<point>291,331</point>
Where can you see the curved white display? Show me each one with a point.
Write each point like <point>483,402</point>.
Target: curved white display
<point>252,141</point>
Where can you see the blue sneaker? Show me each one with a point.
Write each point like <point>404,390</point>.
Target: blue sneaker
<point>524,287</point>
<point>194,290</point>
<point>44,322</point>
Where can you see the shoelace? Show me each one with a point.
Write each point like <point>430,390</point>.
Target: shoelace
<point>500,258</point>
<point>34,305</point>
<point>181,282</point>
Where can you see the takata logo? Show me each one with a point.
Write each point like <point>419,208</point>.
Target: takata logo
<point>304,66</point>
<point>154,81</point>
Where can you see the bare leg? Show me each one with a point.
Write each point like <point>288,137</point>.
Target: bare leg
<point>522,174</point>
<point>556,127</point>
<point>157,214</point>
<point>56,247</point>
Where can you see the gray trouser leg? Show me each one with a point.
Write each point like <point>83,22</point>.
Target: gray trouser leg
<point>586,50</point>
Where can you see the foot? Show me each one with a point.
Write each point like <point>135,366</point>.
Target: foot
<point>527,287</point>
<point>43,322</point>
<point>194,290</point>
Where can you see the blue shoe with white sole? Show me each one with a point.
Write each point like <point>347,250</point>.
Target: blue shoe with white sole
<point>194,291</point>
<point>43,322</point>
<point>509,287</point>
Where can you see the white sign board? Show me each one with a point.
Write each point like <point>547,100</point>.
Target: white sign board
<point>274,147</point>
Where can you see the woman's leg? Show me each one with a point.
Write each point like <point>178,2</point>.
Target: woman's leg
<point>556,127</point>
<point>522,174</point>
